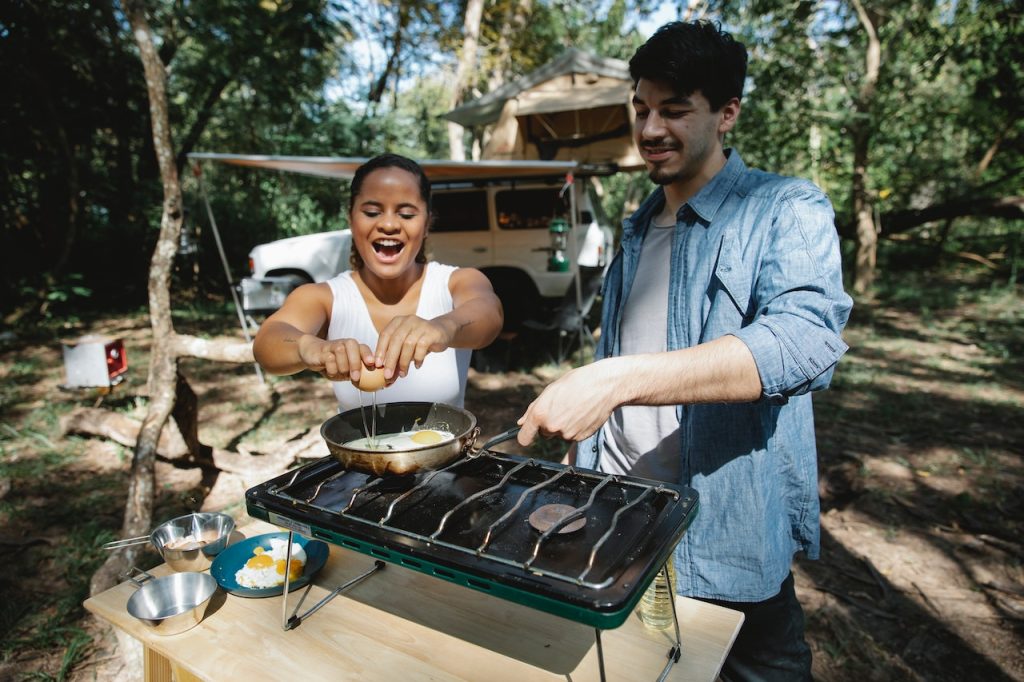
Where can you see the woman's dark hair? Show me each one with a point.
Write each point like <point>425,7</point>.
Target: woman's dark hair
<point>693,56</point>
<point>390,161</point>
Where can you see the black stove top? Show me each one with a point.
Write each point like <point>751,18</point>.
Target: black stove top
<point>498,523</point>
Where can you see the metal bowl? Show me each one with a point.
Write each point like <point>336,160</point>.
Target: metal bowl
<point>173,603</point>
<point>190,542</point>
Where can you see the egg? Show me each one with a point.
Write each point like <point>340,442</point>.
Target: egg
<point>404,440</point>
<point>266,566</point>
<point>370,380</point>
<point>427,437</point>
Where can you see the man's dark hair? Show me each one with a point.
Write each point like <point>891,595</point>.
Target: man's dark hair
<point>692,56</point>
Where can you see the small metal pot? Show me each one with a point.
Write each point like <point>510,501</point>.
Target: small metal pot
<point>171,604</point>
<point>393,418</point>
<point>212,529</point>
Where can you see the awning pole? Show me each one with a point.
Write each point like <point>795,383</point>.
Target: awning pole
<point>227,268</point>
<point>575,265</point>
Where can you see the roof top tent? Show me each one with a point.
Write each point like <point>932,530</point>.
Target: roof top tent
<point>438,171</point>
<point>575,107</point>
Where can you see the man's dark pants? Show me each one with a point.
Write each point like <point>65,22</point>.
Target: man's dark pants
<point>770,646</point>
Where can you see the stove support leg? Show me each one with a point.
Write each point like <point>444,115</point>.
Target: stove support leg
<point>289,623</point>
<point>676,649</point>
<point>287,580</point>
<point>600,653</point>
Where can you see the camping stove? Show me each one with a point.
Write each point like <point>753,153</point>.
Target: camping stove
<point>572,542</point>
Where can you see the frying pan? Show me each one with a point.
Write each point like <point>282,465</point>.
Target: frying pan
<point>395,418</point>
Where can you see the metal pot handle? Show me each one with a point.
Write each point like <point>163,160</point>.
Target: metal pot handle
<point>134,579</point>
<point>127,542</point>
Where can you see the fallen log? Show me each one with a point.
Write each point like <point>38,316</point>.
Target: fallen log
<point>237,471</point>
<point>221,350</point>
<point>122,429</point>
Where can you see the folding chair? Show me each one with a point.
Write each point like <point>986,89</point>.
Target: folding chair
<point>569,321</point>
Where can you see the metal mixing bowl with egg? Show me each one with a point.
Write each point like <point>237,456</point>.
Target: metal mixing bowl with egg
<point>187,543</point>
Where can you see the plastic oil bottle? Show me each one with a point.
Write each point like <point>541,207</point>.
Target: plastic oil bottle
<point>656,603</point>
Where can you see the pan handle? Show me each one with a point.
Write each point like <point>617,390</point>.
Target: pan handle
<point>500,438</point>
<point>127,542</point>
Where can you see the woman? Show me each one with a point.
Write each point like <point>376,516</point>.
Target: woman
<point>421,319</point>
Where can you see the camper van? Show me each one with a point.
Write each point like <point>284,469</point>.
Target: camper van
<point>520,233</point>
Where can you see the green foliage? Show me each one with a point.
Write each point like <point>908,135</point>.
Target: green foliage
<point>948,92</point>
<point>79,188</point>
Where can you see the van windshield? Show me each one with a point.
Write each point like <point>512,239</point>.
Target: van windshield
<point>528,209</point>
<point>460,211</point>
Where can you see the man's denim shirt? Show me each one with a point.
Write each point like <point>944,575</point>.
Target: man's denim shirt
<point>754,255</point>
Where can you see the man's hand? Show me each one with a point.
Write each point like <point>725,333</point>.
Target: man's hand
<point>407,339</point>
<point>577,404</point>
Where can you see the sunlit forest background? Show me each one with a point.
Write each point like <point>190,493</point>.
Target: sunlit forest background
<point>907,113</point>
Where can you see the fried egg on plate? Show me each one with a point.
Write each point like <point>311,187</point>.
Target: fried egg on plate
<point>265,568</point>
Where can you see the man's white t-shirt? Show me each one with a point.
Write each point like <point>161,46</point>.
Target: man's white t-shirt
<point>641,440</point>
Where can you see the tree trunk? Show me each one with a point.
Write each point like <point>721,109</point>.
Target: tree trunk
<point>202,119</point>
<point>163,362</point>
<point>867,234</point>
<point>464,74</point>
<point>516,19</point>
<point>377,91</point>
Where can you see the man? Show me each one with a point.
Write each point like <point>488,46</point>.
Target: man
<point>722,312</point>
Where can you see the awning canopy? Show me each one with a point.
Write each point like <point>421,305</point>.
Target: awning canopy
<point>343,168</point>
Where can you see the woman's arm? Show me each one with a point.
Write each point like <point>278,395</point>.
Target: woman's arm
<point>293,338</point>
<point>474,322</point>
<point>477,315</point>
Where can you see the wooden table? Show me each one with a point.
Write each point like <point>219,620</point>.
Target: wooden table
<point>402,625</point>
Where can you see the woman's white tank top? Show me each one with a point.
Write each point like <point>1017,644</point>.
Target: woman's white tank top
<point>441,379</point>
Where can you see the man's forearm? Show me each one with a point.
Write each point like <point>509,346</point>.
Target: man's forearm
<point>578,403</point>
<point>722,370</point>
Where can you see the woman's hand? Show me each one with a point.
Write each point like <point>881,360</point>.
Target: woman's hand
<point>336,360</point>
<point>407,339</point>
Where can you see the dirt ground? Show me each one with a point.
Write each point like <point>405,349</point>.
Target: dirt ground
<point>921,439</point>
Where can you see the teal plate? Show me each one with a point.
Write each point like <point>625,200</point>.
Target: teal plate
<point>234,557</point>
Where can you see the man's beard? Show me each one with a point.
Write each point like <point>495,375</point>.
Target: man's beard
<point>661,176</point>
<point>691,158</point>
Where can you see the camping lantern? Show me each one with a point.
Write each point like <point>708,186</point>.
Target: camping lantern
<point>94,361</point>
<point>559,231</point>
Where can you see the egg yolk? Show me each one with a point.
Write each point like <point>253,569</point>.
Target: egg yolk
<point>426,437</point>
<point>295,569</point>
<point>260,561</point>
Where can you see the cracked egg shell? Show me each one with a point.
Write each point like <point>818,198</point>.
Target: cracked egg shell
<point>371,380</point>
